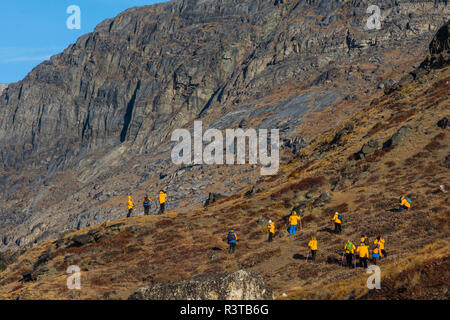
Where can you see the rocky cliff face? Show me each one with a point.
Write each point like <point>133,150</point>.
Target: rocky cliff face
<point>239,285</point>
<point>92,124</point>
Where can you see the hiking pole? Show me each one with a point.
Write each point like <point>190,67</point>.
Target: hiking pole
<point>307,257</point>
<point>342,260</point>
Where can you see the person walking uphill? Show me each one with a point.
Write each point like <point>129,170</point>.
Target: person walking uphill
<point>312,244</point>
<point>162,201</point>
<point>349,251</point>
<point>146,203</point>
<point>337,218</point>
<point>293,220</point>
<point>232,238</point>
<point>363,251</point>
<point>380,241</point>
<point>271,229</point>
<point>130,206</point>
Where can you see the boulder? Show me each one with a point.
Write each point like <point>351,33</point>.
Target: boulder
<point>239,285</point>
<point>447,161</point>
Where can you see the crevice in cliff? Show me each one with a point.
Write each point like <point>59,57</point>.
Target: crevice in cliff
<point>129,113</point>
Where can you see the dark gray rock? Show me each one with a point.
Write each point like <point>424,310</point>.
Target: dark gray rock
<point>105,107</point>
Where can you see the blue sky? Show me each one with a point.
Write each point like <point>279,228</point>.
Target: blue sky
<point>33,30</point>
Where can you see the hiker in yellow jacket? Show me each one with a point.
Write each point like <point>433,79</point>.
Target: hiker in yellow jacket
<point>405,203</point>
<point>380,241</point>
<point>363,251</point>
<point>162,201</point>
<point>337,218</point>
<point>312,244</point>
<point>349,251</point>
<point>130,206</point>
<point>271,229</point>
<point>293,220</point>
<point>364,239</point>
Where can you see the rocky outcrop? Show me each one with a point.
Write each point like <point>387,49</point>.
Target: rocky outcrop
<point>154,68</point>
<point>239,285</point>
<point>93,123</point>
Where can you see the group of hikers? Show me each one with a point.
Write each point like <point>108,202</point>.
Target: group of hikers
<point>146,202</point>
<point>350,250</point>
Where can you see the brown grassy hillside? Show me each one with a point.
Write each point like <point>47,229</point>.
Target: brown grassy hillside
<point>118,257</point>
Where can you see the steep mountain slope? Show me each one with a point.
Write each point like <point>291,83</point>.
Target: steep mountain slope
<point>92,125</point>
<point>398,144</point>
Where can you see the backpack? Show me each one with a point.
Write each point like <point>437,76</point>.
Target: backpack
<point>231,236</point>
<point>409,200</point>
<point>146,201</point>
<point>340,217</point>
<point>349,246</point>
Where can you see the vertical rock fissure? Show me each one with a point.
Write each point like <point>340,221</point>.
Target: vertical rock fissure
<point>129,113</point>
